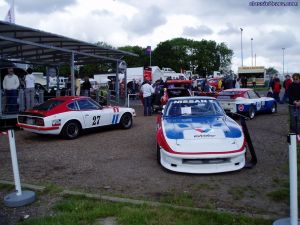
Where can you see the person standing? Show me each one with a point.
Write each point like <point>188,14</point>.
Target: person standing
<point>237,83</point>
<point>86,86</point>
<point>294,104</point>
<point>147,91</point>
<point>11,84</point>
<point>276,89</point>
<point>29,89</point>
<point>253,82</point>
<point>286,83</point>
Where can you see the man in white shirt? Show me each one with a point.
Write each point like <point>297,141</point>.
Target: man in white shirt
<point>147,91</point>
<point>29,90</point>
<point>11,84</point>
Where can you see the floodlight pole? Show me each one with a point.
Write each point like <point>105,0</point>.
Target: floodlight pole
<point>283,61</point>
<point>251,51</point>
<point>242,46</point>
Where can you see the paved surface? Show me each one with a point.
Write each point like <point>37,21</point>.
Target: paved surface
<point>123,163</point>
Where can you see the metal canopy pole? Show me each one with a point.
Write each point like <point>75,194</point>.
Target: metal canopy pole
<point>72,75</point>
<point>117,84</point>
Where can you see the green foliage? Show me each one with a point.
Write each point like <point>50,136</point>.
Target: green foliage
<point>81,211</point>
<point>203,56</point>
<point>271,71</point>
<point>183,199</point>
<point>52,188</point>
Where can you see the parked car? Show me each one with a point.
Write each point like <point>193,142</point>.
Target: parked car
<point>69,115</point>
<point>194,135</point>
<point>214,83</point>
<point>172,88</point>
<point>246,101</point>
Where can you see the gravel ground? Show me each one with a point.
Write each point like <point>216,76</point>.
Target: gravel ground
<point>123,163</point>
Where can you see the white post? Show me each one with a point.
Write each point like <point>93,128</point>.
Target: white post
<point>13,152</point>
<point>293,180</point>
<point>293,220</point>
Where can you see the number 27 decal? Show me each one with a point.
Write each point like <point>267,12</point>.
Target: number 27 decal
<point>96,120</point>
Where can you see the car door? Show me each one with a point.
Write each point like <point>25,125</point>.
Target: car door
<point>256,100</point>
<point>91,112</point>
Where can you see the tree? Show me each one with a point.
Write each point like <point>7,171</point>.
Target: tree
<point>203,57</point>
<point>134,61</point>
<point>271,71</point>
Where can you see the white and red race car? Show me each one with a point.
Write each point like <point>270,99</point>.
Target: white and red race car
<point>68,115</point>
<point>194,135</point>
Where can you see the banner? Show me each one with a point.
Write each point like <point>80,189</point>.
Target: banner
<point>148,73</point>
<point>148,50</point>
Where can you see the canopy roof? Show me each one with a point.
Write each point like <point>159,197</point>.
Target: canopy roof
<point>27,45</point>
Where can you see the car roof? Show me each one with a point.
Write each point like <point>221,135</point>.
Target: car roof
<point>238,89</point>
<point>179,81</point>
<point>69,98</point>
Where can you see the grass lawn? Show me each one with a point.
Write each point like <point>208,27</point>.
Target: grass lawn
<point>80,211</point>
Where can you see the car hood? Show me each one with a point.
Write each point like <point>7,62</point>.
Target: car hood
<point>193,134</point>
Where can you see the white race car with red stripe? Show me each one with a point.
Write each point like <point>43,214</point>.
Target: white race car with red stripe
<point>194,135</point>
<point>68,115</point>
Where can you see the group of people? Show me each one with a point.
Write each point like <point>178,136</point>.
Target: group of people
<point>11,86</point>
<point>292,92</point>
<point>275,88</point>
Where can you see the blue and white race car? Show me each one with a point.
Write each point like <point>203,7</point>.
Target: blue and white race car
<point>194,135</point>
<point>246,101</point>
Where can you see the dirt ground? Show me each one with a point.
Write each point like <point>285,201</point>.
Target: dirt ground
<point>123,163</point>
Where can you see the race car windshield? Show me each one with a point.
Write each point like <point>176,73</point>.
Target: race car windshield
<point>194,107</point>
<point>48,105</point>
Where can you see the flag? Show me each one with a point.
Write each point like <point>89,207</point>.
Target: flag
<point>148,50</point>
<point>10,16</point>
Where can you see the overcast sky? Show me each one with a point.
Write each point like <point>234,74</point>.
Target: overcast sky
<point>144,22</point>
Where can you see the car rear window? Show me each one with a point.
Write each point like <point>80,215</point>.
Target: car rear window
<point>178,93</point>
<point>48,105</point>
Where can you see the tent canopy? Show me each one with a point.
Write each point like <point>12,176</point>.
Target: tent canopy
<point>26,45</point>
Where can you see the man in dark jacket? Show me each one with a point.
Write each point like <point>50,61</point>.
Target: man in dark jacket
<point>294,104</point>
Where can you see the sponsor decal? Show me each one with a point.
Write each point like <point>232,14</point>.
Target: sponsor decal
<point>204,136</point>
<point>241,107</point>
<point>192,101</point>
<point>204,133</point>
<point>115,119</point>
<point>203,130</point>
<point>116,109</point>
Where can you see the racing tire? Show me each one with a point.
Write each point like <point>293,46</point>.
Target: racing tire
<point>71,130</point>
<point>273,108</point>
<point>126,121</point>
<point>251,112</point>
<point>158,156</point>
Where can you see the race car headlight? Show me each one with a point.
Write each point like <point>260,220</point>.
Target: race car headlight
<point>56,122</point>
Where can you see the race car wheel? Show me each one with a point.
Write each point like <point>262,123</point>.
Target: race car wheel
<point>158,156</point>
<point>71,130</point>
<point>251,112</point>
<point>273,108</point>
<point>126,121</point>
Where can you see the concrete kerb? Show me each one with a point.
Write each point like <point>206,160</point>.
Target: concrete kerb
<point>140,202</point>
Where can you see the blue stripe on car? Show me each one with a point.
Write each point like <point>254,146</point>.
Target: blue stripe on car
<point>174,127</point>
